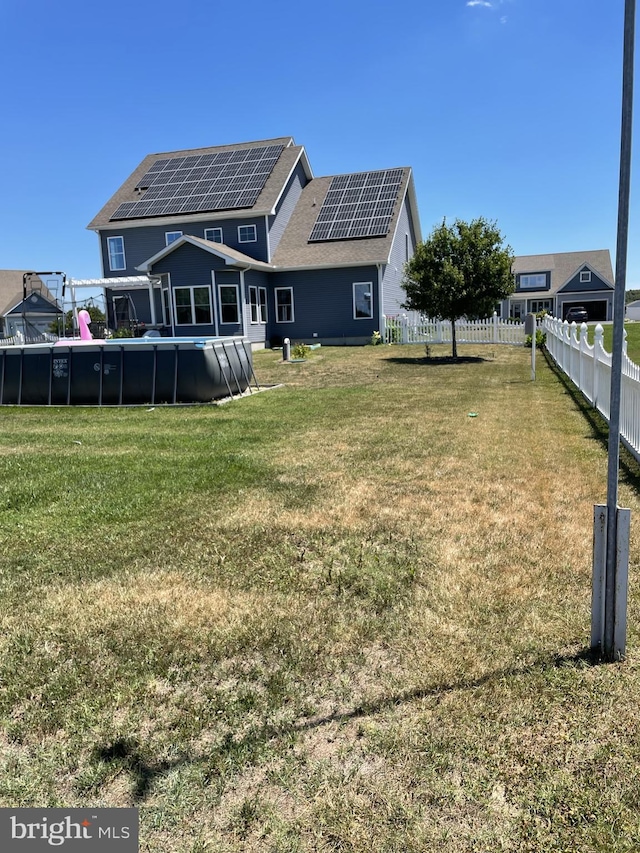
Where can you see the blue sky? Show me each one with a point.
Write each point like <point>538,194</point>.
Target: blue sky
<point>508,109</point>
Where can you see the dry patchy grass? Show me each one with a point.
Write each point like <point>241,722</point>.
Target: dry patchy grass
<point>339,616</point>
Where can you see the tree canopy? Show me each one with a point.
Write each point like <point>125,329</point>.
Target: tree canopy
<point>460,270</point>
<point>96,314</point>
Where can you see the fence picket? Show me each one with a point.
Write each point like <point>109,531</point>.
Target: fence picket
<point>413,328</point>
<point>589,368</point>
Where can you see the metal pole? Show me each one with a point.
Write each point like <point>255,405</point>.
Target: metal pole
<point>611,652</point>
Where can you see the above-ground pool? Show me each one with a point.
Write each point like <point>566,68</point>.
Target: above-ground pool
<point>124,371</point>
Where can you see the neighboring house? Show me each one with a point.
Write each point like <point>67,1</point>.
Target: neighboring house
<point>31,316</point>
<point>564,280</point>
<point>632,310</point>
<point>244,240</point>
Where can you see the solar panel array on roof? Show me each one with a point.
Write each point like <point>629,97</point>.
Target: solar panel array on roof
<point>358,205</point>
<point>199,183</point>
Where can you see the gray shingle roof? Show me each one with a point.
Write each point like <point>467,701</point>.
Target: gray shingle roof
<point>563,265</point>
<point>264,204</point>
<point>295,250</point>
<point>12,289</point>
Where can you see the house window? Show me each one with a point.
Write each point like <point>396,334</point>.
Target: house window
<point>213,235</point>
<point>585,277</point>
<point>171,237</point>
<point>284,304</point>
<point>115,246</point>
<point>538,305</point>
<point>262,296</point>
<point>229,303</point>
<point>533,281</point>
<point>166,312</point>
<point>258,303</point>
<point>247,234</point>
<point>362,300</point>
<point>193,305</point>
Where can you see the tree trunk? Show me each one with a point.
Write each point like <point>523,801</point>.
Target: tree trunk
<point>454,346</point>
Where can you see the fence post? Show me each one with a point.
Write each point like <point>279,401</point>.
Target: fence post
<point>495,327</point>
<point>583,341</point>
<point>405,329</point>
<point>383,328</point>
<point>597,347</point>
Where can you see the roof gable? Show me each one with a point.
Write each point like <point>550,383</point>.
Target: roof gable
<point>574,284</point>
<point>12,290</point>
<point>562,266</point>
<point>230,256</point>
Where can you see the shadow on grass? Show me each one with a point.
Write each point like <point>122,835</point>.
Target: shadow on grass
<point>598,425</point>
<point>439,360</point>
<point>126,754</point>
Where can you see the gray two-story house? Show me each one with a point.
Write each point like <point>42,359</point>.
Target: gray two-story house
<point>244,240</point>
<point>557,282</point>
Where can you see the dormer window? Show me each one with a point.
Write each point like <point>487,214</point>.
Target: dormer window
<point>585,276</point>
<point>533,281</point>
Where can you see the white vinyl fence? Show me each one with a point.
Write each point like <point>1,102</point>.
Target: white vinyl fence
<point>19,339</point>
<point>589,368</point>
<point>415,329</point>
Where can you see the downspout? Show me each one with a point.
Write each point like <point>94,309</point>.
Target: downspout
<point>266,229</point>
<point>215,302</point>
<point>152,302</point>
<point>243,301</point>
<point>380,301</point>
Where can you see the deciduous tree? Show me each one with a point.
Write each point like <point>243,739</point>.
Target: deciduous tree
<point>460,270</point>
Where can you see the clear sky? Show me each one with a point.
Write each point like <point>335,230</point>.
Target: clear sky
<point>507,109</point>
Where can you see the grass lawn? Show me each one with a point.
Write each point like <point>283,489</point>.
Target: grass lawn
<point>340,615</point>
<point>633,338</point>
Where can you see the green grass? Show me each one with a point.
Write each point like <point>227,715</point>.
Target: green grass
<point>340,615</point>
<point>633,338</point>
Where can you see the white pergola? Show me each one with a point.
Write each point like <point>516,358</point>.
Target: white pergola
<point>124,282</point>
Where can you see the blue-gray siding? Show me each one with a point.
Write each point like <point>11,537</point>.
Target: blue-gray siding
<point>285,207</point>
<point>402,250</point>
<point>257,332</point>
<point>142,243</point>
<point>574,285</point>
<point>323,304</point>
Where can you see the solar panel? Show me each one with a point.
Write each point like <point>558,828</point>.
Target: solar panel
<point>226,180</point>
<point>358,205</point>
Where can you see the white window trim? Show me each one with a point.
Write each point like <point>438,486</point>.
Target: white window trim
<point>368,284</point>
<point>124,257</point>
<point>277,290</point>
<point>219,230</point>
<point>238,319</point>
<point>256,294</point>
<point>532,286</point>
<point>253,239</point>
<point>264,317</point>
<point>541,305</point>
<point>585,276</point>
<point>191,289</point>
<point>168,234</point>
<point>165,287</point>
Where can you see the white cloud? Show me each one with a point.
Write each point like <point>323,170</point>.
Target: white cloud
<point>480,3</point>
